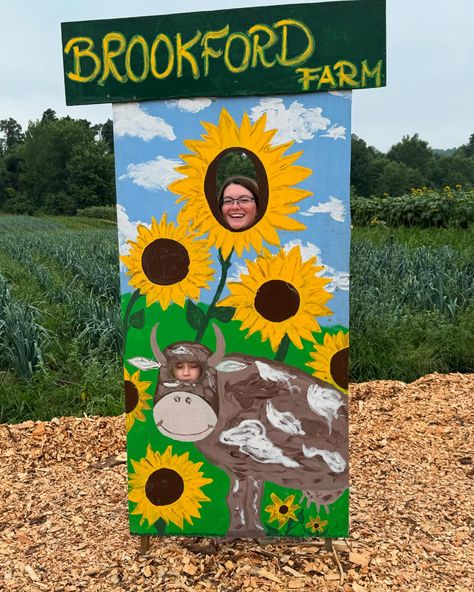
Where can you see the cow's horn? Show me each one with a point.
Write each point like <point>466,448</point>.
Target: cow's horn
<point>220,347</point>
<point>159,356</point>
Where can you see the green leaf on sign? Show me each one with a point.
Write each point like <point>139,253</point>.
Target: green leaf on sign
<point>137,319</point>
<point>194,315</point>
<point>223,313</point>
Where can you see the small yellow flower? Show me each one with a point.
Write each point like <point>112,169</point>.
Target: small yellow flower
<point>316,524</point>
<point>282,510</point>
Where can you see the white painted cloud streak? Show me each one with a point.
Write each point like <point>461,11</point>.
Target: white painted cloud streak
<point>153,174</point>
<point>334,207</point>
<point>130,119</point>
<point>190,105</point>
<point>336,132</point>
<point>127,230</point>
<point>297,123</point>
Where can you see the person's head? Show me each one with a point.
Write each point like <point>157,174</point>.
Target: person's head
<point>187,371</point>
<point>238,202</point>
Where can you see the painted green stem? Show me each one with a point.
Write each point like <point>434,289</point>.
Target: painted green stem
<point>282,349</point>
<point>225,265</point>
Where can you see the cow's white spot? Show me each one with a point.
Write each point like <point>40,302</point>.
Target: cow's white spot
<point>267,372</point>
<point>230,366</point>
<point>251,438</point>
<point>144,363</point>
<point>331,457</point>
<point>284,420</point>
<point>235,489</point>
<point>324,402</point>
<point>181,350</point>
<point>171,384</point>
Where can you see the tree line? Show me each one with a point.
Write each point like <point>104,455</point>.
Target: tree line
<point>60,165</point>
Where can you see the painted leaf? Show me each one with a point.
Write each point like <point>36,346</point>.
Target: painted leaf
<point>194,315</point>
<point>224,313</point>
<point>137,319</point>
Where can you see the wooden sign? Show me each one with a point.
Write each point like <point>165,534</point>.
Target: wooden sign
<point>253,51</point>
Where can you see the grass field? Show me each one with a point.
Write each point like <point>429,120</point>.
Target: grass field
<point>412,311</point>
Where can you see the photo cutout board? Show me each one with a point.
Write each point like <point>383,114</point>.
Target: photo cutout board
<point>236,340</point>
<point>232,134</point>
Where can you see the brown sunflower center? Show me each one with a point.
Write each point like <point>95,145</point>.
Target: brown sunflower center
<point>165,262</point>
<point>340,367</point>
<point>283,509</point>
<point>277,301</point>
<point>164,487</point>
<point>131,396</point>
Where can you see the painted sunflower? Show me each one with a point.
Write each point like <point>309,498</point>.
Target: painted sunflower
<point>280,295</point>
<point>316,524</point>
<point>331,360</point>
<point>136,398</point>
<point>282,510</point>
<point>167,486</point>
<point>166,264</point>
<point>276,175</point>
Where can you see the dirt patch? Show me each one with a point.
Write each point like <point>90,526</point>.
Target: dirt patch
<point>64,524</point>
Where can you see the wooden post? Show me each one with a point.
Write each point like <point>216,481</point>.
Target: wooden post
<point>144,544</point>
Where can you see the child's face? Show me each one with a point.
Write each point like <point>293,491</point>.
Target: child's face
<point>189,371</point>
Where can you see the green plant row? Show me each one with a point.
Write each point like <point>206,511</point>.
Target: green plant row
<point>99,212</point>
<point>422,208</point>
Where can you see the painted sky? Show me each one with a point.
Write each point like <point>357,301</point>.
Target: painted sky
<point>149,141</point>
<point>429,64</point>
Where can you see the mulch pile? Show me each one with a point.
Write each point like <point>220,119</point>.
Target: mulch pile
<point>64,522</point>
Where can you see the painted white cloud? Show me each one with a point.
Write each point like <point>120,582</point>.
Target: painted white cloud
<point>127,230</point>
<point>190,105</point>
<point>154,174</point>
<point>339,279</point>
<point>334,207</point>
<point>345,94</point>
<point>237,270</point>
<point>296,123</point>
<point>336,132</point>
<point>131,120</point>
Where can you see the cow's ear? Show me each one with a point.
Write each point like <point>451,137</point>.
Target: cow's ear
<point>144,363</point>
<point>230,366</point>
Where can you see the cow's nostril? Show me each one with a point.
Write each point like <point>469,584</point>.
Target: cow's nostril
<point>177,398</point>
<point>188,400</point>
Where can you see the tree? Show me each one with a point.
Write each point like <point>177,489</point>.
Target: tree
<point>106,133</point>
<point>11,134</point>
<point>395,178</point>
<point>455,170</point>
<point>363,171</point>
<point>414,153</point>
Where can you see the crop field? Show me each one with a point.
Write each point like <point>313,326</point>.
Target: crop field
<point>412,311</point>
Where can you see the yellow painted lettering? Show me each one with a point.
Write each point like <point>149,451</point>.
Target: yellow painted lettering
<point>79,53</point>
<point>307,75</point>
<point>247,51</point>
<point>259,50</point>
<point>368,73</point>
<point>207,51</point>
<point>327,78</point>
<point>182,51</point>
<point>110,54</point>
<point>283,58</point>
<point>137,40</point>
<point>162,38</point>
<point>346,76</point>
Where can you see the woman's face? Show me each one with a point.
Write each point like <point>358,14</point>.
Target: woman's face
<point>238,215</point>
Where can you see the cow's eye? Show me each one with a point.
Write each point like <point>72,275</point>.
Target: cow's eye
<point>188,400</point>
<point>177,398</point>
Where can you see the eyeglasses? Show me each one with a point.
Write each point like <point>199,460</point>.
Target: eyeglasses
<point>241,201</point>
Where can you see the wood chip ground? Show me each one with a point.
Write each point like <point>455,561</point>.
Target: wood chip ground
<point>64,523</point>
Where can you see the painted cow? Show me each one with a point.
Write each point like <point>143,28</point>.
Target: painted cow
<point>257,419</point>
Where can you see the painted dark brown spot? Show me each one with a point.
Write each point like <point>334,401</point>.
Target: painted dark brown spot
<point>340,367</point>
<point>131,396</point>
<point>164,487</point>
<point>277,301</point>
<point>165,262</point>
<point>283,509</point>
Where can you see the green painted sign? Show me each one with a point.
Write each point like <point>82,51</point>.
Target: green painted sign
<point>254,51</point>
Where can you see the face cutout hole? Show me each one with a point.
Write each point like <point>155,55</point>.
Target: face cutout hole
<point>226,168</point>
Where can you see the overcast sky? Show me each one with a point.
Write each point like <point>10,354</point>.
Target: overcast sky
<point>430,57</point>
